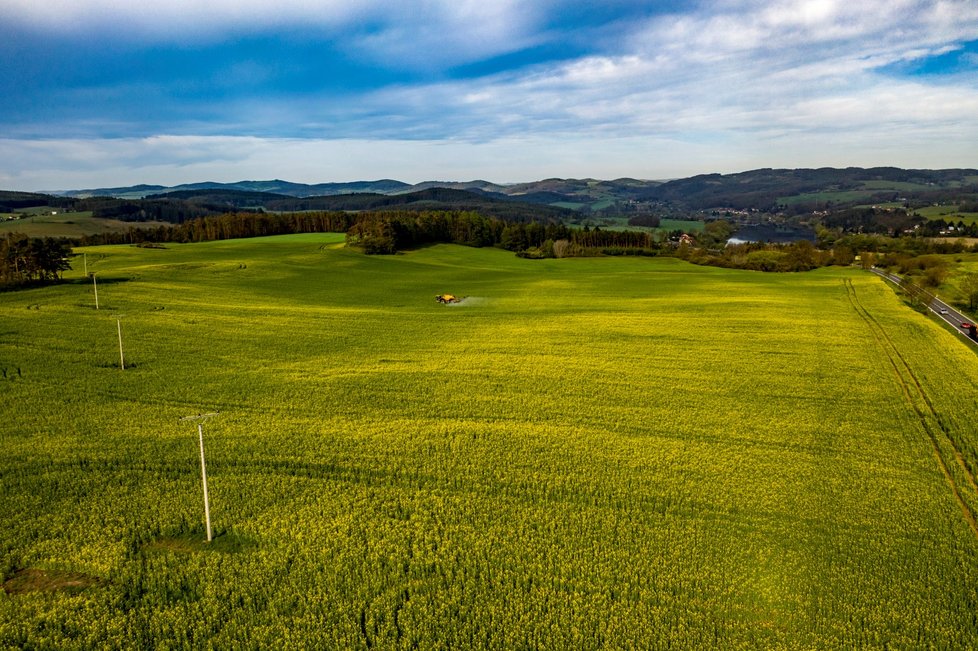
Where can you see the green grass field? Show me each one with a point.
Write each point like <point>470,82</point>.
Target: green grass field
<point>895,185</point>
<point>957,265</point>
<point>41,223</point>
<point>586,453</point>
<point>865,192</point>
<point>827,197</point>
<point>947,213</point>
<point>596,204</point>
<point>686,225</point>
<point>568,204</point>
<point>620,223</point>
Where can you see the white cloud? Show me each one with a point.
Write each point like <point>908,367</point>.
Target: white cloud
<point>416,34</point>
<point>785,29</point>
<point>700,73</point>
<point>159,18</point>
<point>733,85</point>
<point>436,33</point>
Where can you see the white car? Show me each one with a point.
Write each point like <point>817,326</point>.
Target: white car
<point>943,310</point>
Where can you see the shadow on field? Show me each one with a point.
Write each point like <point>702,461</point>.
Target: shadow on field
<point>35,580</point>
<point>108,280</point>
<point>130,366</point>
<point>194,542</point>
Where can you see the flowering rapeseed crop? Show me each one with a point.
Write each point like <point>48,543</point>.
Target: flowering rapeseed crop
<point>595,453</point>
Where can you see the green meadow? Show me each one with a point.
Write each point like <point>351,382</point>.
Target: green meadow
<point>620,223</point>
<point>40,222</point>
<point>865,191</point>
<point>686,225</point>
<point>585,453</point>
<point>947,213</point>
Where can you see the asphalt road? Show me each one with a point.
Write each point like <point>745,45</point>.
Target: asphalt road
<point>934,304</point>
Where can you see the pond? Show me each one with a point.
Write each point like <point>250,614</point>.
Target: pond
<point>775,233</point>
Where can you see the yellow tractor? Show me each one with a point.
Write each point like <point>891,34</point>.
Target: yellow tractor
<point>447,298</point>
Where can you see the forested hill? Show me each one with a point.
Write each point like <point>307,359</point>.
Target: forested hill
<point>180,206</point>
<point>494,205</point>
<point>804,190</point>
<point>277,186</point>
<point>12,201</point>
<point>792,191</point>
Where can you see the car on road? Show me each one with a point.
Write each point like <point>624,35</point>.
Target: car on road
<point>965,324</point>
<point>943,310</point>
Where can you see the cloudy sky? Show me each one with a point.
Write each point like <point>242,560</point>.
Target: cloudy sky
<point>97,93</point>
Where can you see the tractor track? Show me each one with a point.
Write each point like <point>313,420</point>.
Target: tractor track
<point>909,388</point>
<point>972,481</point>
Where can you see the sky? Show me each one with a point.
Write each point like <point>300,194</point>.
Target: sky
<point>108,93</point>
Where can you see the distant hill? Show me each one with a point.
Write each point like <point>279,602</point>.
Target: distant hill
<point>582,193</point>
<point>383,186</point>
<point>434,198</point>
<point>790,191</point>
<point>479,185</point>
<point>222,198</point>
<point>129,192</point>
<point>11,201</point>
<point>804,190</point>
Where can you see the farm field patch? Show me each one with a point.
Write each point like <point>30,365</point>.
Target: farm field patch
<point>947,213</point>
<point>620,223</point>
<point>584,453</point>
<point>39,222</point>
<point>827,197</point>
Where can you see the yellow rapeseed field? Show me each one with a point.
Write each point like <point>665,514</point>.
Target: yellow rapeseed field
<point>583,453</point>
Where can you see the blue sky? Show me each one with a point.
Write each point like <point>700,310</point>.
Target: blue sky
<point>110,92</point>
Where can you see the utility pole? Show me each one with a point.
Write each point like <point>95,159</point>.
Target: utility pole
<point>95,285</point>
<point>122,359</point>
<point>85,258</point>
<point>203,467</point>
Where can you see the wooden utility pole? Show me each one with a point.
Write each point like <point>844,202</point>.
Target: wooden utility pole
<point>122,359</point>
<point>203,467</point>
<point>203,477</point>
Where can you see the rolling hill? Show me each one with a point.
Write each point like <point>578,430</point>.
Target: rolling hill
<point>800,193</point>
<point>794,190</point>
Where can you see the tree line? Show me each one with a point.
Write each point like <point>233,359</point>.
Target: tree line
<point>228,226</point>
<point>374,232</point>
<point>388,232</point>
<point>26,260</point>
